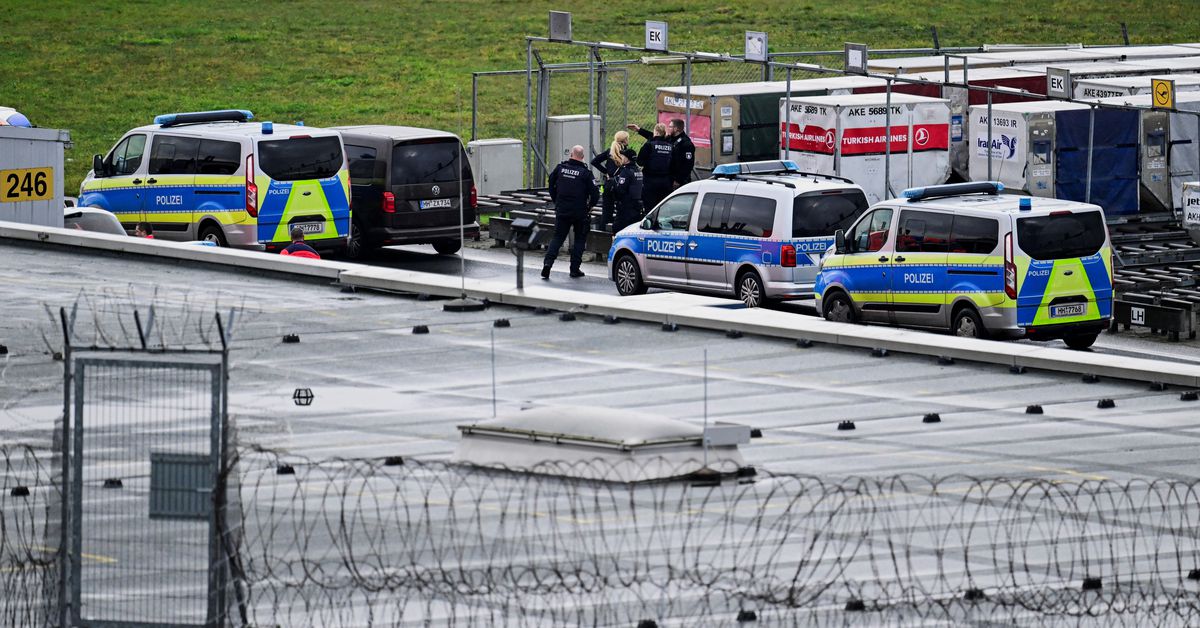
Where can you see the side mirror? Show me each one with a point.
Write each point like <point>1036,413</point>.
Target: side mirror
<point>648,224</point>
<point>98,165</point>
<point>839,242</point>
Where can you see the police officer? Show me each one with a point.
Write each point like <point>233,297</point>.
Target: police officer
<point>627,191</point>
<point>573,191</point>
<point>683,152</point>
<point>655,160</point>
<point>606,164</point>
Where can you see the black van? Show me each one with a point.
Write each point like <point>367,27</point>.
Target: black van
<point>404,185</point>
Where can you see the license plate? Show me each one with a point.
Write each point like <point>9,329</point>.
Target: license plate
<point>1070,309</point>
<point>312,227</point>
<point>26,184</point>
<point>434,203</point>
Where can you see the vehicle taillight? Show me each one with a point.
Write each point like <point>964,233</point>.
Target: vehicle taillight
<point>1112,267</point>
<point>474,198</point>
<point>389,202</point>
<point>1010,268</point>
<point>787,256</point>
<point>251,188</point>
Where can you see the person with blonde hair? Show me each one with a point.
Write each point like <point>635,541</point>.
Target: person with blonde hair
<point>606,163</point>
<point>655,161</point>
<point>628,187</point>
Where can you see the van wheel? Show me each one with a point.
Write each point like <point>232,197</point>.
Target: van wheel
<point>357,247</point>
<point>1081,341</point>
<point>447,247</point>
<point>628,276</point>
<point>750,289</point>
<point>967,324</point>
<point>213,233</point>
<point>838,308</point>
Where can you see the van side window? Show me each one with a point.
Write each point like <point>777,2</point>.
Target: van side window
<point>752,216</point>
<point>173,155</point>
<point>127,156</point>
<point>714,213</point>
<point>674,213</point>
<point>362,163</point>
<point>819,214</point>
<point>871,233</point>
<point>971,234</point>
<point>218,157</point>
<point>923,232</point>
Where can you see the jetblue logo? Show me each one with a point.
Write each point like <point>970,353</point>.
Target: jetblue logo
<point>666,247</point>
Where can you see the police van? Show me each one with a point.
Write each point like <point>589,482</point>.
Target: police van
<point>217,176</point>
<point>965,258</point>
<point>755,230</point>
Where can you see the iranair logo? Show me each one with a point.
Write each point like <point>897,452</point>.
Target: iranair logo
<point>829,139</point>
<point>921,137</point>
<point>437,189</point>
<point>1000,146</point>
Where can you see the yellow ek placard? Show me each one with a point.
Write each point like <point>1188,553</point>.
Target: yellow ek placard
<point>1162,93</point>
<point>26,184</point>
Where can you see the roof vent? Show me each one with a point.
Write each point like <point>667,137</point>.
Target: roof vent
<point>601,444</point>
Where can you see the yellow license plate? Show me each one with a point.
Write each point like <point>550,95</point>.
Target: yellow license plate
<point>26,184</point>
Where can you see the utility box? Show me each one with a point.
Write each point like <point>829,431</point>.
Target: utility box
<point>848,136</point>
<point>563,132</point>
<point>31,175</point>
<point>496,164</point>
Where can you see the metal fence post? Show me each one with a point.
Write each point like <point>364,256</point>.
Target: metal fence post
<point>1087,191</point>
<point>787,118</point>
<point>64,540</point>
<point>474,104</point>
<point>989,138</point>
<point>529,113</point>
<point>687,117</point>
<point>591,103</point>
<point>887,141</point>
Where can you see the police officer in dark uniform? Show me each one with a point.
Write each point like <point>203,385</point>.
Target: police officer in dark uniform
<point>627,190</point>
<point>573,191</point>
<point>683,154</point>
<point>655,160</point>
<point>607,166</point>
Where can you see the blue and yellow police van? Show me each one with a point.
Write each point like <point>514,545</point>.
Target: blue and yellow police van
<point>219,177</point>
<point>754,231</point>
<point>965,258</point>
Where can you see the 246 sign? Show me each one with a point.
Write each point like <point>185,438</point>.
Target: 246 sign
<point>27,184</point>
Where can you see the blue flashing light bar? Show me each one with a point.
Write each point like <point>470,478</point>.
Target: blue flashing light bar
<point>756,167</point>
<point>268,127</point>
<point>193,117</point>
<point>953,189</point>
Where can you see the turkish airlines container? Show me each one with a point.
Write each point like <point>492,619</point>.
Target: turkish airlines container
<point>1041,148</point>
<point>848,136</point>
<point>735,122</point>
<point>1169,146</point>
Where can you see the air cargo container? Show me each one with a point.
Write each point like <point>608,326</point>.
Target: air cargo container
<point>1171,137</point>
<point>991,59</point>
<point>1088,89</point>
<point>1190,208</point>
<point>847,136</point>
<point>739,121</point>
<point>1041,148</point>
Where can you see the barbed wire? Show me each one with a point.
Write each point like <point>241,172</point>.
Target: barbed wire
<point>348,542</point>
<point>340,538</point>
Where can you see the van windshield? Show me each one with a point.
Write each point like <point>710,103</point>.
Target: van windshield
<point>821,213</point>
<point>428,161</point>
<point>1061,235</point>
<point>301,158</point>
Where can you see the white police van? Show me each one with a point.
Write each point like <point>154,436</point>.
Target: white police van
<point>755,230</point>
